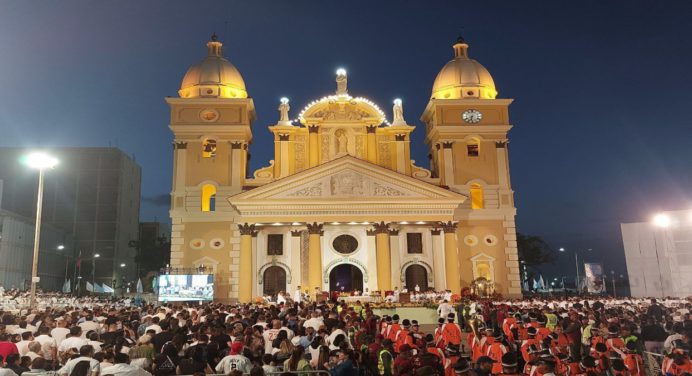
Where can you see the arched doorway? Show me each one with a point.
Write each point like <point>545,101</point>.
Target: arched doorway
<point>274,280</point>
<point>345,277</point>
<point>416,275</point>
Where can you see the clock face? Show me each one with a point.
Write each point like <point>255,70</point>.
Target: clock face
<point>472,116</point>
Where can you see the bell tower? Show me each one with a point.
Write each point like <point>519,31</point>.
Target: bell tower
<point>466,131</point>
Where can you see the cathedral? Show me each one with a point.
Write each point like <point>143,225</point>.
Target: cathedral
<point>342,206</point>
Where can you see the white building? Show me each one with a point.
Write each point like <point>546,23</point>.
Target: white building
<point>659,255</point>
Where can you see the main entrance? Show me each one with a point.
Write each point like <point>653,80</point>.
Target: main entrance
<point>416,275</point>
<point>345,277</point>
<point>274,280</point>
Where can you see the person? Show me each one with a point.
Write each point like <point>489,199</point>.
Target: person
<point>445,309</point>
<point>38,368</point>
<point>484,366</point>
<point>385,358</point>
<point>49,346</point>
<point>74,341</point>
<point>122,367</point>
<point>142,354</point>
<point>13,363</point>
<point>403,363</point>
<point>297,295</point>
<point>509,364</point>
<point>85,361</point>
<point>344,365</point>
<point>194,362</point>
<point>6,347</point>
<point>297,362</point>
<point>234,361</point>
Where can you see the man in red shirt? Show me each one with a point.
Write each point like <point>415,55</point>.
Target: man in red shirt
<point>403,364</point>
<point>7,347</point>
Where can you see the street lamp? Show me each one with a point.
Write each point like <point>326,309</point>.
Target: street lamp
<point>61,247</point>
<point>122,265</point>
<point>576,264</point>
<point>41,162</point>
<point>93,273</point>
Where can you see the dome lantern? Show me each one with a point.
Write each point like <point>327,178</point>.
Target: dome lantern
<point>463,77</point>
<point>213,77</point>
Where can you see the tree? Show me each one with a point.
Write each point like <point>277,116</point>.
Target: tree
<point>151,254</point>
<point>534,251</point>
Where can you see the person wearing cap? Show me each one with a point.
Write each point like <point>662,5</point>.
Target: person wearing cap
<point>531,340</point>
<point>431,348</point>
<point>393,328</point>
<point>437,334</point>
<point>403,336</point>
<point>614,340</point>
<point>234,361</point>
<point>452,356</point>
<point>496,350</point>
<point>484,366</point>
<point>451,332</point>
<point>509,364</point>
<point>532,363</point>
<point>461,367</point>
<point>385,358</point>
<point>546,367</point>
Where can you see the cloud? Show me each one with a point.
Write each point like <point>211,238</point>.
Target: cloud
<point>163,199</point>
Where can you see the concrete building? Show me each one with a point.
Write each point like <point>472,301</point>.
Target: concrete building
<point>342,206</point>
<point>93,195</point>
<point>659,255</point>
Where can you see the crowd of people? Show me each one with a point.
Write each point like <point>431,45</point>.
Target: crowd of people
<point>571,336</point>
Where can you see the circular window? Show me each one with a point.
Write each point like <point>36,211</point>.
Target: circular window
<point>217,243</point>
<point>491,240</point>
<point>470,240</point>
<point>345,244</point>
<point>197,243</point>
<point>209,115</point>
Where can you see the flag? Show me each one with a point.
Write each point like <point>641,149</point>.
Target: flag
<point>89,287</point>
<point>98,288</point>
<point>66,286</point>
<point>140,289</point>
<point>107,289</point>
<point>541,282</point>
<point>526,285</point>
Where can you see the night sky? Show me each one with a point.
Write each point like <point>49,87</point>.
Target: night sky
<point>602,89</point>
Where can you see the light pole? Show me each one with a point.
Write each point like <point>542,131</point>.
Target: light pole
<point>93,273</point>
<point>41,162</point>
<point>576,265</point>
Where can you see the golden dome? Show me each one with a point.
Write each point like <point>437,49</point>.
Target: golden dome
<point>213,77</point>
<point>463,77</point>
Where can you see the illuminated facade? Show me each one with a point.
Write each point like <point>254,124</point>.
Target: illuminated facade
<point>342,206</point>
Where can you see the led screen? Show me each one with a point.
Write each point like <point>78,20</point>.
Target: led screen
<point>186,287</point>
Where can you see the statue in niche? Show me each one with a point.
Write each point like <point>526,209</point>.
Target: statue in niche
<point>341,142</point>
<point>398,111</point>
<point>341,82</point>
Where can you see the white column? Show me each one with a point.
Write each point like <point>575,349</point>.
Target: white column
<point>372,261</point>
<point>395,249</point>
<point>295,262</point>
<point>438,259</point>
<point>449,163</point>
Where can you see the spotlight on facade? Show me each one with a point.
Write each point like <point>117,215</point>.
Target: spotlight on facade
<point>662,220</point>
<point>61,247</point>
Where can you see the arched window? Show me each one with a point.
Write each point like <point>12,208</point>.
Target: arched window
<point>209,148</point>
<point>473,147</point>
<point>208,198</point>
<point>476,196</point>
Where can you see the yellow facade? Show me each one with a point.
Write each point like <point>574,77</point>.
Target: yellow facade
<point>342,205</point>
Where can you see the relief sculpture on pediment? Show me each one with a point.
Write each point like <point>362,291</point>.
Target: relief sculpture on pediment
<point>346,184</point>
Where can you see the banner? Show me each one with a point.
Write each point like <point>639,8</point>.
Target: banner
<point>594,278</point>
<point>66,287</point>
<point>89,287</point>
<point>107,289</point>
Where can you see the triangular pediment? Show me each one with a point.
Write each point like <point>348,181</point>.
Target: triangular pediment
<point>346,184</point>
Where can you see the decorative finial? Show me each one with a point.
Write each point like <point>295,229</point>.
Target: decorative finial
<point>398,111</point>
<point>214,46</point>
<point>341,81</point>
<point>460,47</point>
<point>283,111</point>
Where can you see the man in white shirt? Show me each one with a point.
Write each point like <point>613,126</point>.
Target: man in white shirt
<point>60,333</point>
<point>49,346</point>
<point>297,295</point>
<point>314,322</point>
<point>23,345</point>
<point>444,309</point>
<point>235,361</point>
<point>74,341</point>
<point>88,325</point>
<point>86,353</point>
<point>123,368</point>
<point>269,336</point>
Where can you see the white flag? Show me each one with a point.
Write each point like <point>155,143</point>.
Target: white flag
<point>140,289</point>
<point>541,282</point>
<point>98,288</point>
<point>89,286</point>
<point>107,289</point>
<point>66,287</point>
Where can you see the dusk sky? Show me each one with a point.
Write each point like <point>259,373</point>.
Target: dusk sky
<point>601,89</point>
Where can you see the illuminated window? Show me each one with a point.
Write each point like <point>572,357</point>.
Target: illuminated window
<point>483,270</point>
<point>473,148</point>
<point>208,198</point>
<point>209,148</point>
<point>476,196</point>
<point>483,266</point>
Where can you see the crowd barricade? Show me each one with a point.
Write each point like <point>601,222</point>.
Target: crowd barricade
<point>652,362</point>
